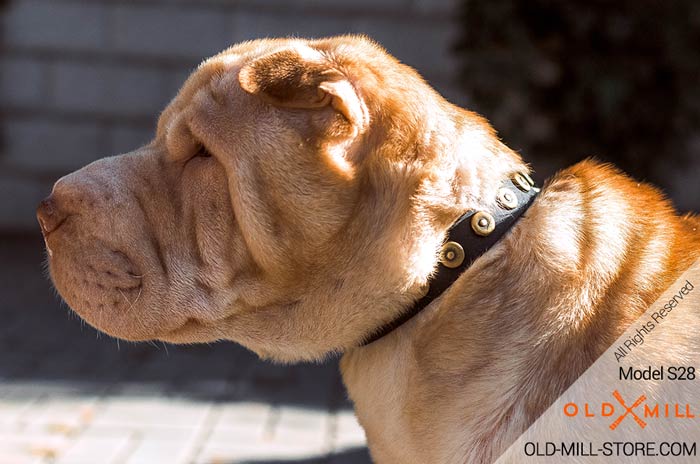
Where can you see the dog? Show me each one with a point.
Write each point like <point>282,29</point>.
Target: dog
<point>297,198</point>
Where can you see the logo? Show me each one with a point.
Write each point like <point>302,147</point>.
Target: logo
<point>628,410</point>
<point>639,411</point>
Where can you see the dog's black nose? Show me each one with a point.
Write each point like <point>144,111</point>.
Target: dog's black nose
<point>49,215</point>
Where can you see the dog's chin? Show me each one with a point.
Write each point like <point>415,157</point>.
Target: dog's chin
<point>102,284</point>
<point>194,331</point>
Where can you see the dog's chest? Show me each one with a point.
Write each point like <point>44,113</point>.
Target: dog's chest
<point>377,379</point>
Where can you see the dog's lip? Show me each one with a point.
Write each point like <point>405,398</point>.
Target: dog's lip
<point>193,326</point>
<point>173,335</point>
<point>47,230</point>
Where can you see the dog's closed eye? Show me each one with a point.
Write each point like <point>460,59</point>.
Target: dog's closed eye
<point>202,152</point>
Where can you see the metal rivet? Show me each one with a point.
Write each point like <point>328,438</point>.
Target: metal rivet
<point>507,199</point>
<point>528,179</point>
<point>452,255</point>
<point>483,223</point>
<point>521,182</point>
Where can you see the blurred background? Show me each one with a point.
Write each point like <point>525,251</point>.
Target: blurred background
<point>80,80</point>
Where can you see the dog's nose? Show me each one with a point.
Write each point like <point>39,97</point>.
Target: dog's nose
<point>49,215</point>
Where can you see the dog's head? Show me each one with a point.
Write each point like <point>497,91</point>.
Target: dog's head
<point>293,200</point>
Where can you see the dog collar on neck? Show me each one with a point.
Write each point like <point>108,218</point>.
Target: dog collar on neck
<point>472,235</point>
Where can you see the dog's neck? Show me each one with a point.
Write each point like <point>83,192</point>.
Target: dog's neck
<point>475,168</point>
<point>472,235</point>
<point>467,314</point>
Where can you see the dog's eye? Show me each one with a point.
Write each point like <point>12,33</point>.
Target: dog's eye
<point>202,152</point>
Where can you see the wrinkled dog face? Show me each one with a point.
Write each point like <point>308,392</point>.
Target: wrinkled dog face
<point>270,209</point>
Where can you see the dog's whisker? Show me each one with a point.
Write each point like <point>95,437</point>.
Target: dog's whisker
<point>124,296</point>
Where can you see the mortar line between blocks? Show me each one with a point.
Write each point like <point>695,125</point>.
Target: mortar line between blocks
<point>204,433</point>
<point>128,449</point>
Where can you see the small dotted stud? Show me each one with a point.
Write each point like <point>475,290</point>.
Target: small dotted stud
<point>506,198</point>
<point>483,223</point>
<point>452,255</point>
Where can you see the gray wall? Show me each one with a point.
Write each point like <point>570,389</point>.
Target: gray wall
<point>80,80</point>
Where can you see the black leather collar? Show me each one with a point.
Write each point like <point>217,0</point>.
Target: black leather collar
<point>472,235</point>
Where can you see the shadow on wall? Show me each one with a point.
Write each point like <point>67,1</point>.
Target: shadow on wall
<point>3,5</point>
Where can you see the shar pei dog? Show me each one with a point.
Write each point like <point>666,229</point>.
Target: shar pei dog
<point>312,197</point>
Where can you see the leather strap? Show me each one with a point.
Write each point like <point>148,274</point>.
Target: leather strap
<point>469,235</point>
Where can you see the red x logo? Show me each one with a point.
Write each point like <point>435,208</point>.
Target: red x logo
<point>628,410</point>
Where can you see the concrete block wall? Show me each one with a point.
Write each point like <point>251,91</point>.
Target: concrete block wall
<point>80,80</point>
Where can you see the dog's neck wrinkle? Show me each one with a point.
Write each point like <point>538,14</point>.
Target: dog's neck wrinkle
<point>478,164</point>
<point>489,170</point>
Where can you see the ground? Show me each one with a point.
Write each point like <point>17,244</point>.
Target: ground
<point>69,395</point>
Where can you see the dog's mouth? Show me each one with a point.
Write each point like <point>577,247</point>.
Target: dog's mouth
<point>48,229</point>
<point>103,285</point>
<point>196,330</point>
<point>186,331</point>
<point>108,289</point>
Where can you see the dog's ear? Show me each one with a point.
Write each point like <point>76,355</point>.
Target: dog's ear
<point>302,78</point>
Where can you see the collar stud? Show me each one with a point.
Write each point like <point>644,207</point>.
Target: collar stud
<point>528,178</point>
<point>483,223</point>
<point>521,182</point>
<point>506,198</point>
<point>452,255</point>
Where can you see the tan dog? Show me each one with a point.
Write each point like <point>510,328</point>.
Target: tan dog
<point>295,199</point>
